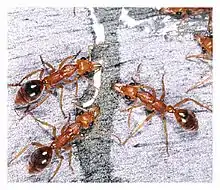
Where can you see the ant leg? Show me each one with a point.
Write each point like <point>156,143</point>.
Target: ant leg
<point>210,22</point>
<point>90,48</point>
<point>120,142</point>
<point>58,167</point>
<point>77,86</point>
<point>37,104</point>
<point>137,75</point>
<point>68,81</point>
<point>90,82</point>
<point>67,58</point>
<point>42,101</point>
<point>27,76</point>
<point>69,148</point>
<point>203,56</point>
<point>145,86</point>
<point>163,90</point>
<point>23,150</point>
<point>61,98</point>
<point>190,99</point>
<point>130,109</point>
<point>48,64</point>
<point>70,158</point>
<point>148,87</point>
<point>67,123</point>
<point>74,11</point>
<point>19,154</point>
<point>138,127</point>
<point>200,83</point>
<point>129,115</point>
<point>41,74</point>
<point>47,124</point>
<point>64,61</point>
<point>37,144</point>
<point>165,131</point>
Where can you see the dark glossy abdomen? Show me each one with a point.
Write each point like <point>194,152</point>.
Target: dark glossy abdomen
<point>187,119</point>
<point>29,92</point>
<point>39,159</point>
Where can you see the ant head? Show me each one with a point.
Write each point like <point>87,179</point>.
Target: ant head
<point>86,67</point>
<point>39,159</point>
<point>87,118</point>
<point>171,11</point>
<point>29,92</point>
<point>186,119</point>
<point>175,11</point>
<point>165,11</point>
<point>198,37</point>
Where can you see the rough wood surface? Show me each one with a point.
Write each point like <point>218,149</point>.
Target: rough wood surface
<point>160,44</point>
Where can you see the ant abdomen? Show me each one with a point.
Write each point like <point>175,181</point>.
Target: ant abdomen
<point>39,159</point>
<point>187,119</point>
<point>29,92</point>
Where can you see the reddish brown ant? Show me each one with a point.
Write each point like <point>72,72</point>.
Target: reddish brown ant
<point>185,12</point>
<point>32,90</point>
<point>205,43</point>
<point>42,156</point>
<point>207,50</point>
<point>184,117</point>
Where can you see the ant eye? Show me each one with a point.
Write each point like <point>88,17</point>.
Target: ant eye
<point>179,13</point>
<point>127,97</point>
<point>91,124</point>
<point>203,50</point>
<point>83,58</point>
<point>132,83</point>
<point>33,89</point>
<point>79,112</point>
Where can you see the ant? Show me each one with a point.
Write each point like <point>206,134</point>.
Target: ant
<point>32,90</point>
<point>185,12</point>
<point>206,43</point>
<point>134,92</point>
<point>41,157</point>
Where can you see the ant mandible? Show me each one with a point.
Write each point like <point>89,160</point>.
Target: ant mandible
<point>185,12</point>
<point>186,118</point>
<point>31,91</point>
<point>206,43</point>
<point>41,157</point>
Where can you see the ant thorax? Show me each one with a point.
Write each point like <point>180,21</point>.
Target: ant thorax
<point>84,66</point>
